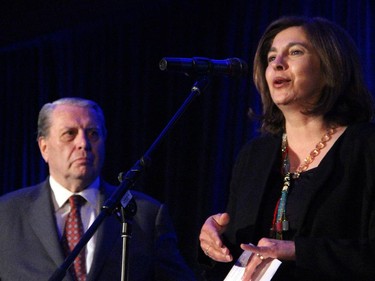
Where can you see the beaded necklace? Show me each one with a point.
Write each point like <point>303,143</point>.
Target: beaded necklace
<point>280,223</point>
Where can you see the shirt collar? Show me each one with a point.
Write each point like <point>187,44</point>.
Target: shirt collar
<point>61,194</point>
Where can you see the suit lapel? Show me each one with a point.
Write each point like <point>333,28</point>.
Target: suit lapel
<point>108,233</point>
<point>42,223</point>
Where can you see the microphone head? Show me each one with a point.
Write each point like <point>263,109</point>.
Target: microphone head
<point>233,67</point>
<point>237,68</point>
<point>163,64</point>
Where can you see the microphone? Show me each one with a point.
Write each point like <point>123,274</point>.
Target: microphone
<point>233,67</point>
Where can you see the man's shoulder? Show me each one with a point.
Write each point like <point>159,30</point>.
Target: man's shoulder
<point>23,194</point>
<point>16,204</point>
<point>139,196</point>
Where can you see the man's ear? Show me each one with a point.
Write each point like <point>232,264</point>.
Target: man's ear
<point>43,148</point>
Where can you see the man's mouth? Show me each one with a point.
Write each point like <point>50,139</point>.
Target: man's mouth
<point>83,160</point>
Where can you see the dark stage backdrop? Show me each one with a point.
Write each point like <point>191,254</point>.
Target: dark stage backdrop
<point>109,51</point>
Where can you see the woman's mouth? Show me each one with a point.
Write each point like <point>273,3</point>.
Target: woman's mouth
<point>280,82</point>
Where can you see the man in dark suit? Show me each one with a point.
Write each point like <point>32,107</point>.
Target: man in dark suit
<point>71,137</point>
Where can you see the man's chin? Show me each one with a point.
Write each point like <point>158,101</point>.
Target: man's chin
<point>86,176</point>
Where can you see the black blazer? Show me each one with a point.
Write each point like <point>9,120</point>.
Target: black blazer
<point>336,240</point>
<point>30,250</point>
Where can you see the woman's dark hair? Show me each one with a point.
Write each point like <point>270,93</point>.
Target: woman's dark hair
<point>345,98</point>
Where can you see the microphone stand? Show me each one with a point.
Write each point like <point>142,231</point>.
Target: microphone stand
<point>126,215</point>
<point>127,181</point>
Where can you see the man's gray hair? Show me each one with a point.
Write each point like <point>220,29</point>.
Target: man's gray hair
<point>44,119</point>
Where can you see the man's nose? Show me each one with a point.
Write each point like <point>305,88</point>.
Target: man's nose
<point>83,141</point>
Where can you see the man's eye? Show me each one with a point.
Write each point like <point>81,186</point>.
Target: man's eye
<point>69,135</point>
<point>94,134</point>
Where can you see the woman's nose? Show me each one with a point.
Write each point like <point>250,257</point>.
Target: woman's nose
<point>278,63</point>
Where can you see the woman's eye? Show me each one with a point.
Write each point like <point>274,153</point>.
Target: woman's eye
<point>271,58</point>
<point>296,52</point>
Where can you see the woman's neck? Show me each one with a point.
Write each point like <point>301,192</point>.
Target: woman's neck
<point>302,129</point>
<point>304,134</point>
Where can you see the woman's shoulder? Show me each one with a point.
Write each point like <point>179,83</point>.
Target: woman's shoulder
<point>264,146</point>
<point>263,141</point>
<point>359,136</point>
<point>361,130</point>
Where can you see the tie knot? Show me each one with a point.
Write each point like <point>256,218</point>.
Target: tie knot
<point>76,201</point>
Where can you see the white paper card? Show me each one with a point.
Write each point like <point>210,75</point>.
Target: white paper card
<point>266,270</point>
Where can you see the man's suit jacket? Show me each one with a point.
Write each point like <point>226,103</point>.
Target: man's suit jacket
<point>30,248</point>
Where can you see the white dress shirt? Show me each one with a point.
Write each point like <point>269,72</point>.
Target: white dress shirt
<point>89,211</point>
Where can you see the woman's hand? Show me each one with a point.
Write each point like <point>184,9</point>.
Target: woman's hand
<point>265,251</point>
<point>210,238</point>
